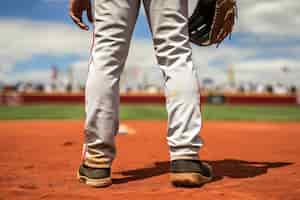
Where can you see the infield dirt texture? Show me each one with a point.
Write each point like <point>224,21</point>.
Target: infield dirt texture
<point>251,160</point>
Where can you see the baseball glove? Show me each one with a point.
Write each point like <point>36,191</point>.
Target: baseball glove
<point>212,21</point>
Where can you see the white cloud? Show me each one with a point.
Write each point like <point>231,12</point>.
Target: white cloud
<point>265,70</point>
<point>22,39</point>
<point>43,76</point>
<point>271,17</point>
<point>267,45</point>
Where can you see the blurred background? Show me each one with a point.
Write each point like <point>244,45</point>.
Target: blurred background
<point>44,57</point>
<point>249,86</point>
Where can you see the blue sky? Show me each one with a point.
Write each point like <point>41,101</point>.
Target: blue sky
<point>51,11</point>
<point>37,34</point>
<point>35,10</point>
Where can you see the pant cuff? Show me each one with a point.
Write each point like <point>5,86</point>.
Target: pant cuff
<point>195,157</point>
<point>97,165</point>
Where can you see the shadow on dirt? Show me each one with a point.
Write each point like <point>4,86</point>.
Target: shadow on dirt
<point>222,168</point>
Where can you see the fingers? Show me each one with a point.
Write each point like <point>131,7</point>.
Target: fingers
<point>220,36</point>
<point>79,22</point>
<point>89,12</point>
<point>77,7</point>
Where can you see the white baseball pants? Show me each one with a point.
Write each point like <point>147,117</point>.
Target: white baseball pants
<point>114,24</point>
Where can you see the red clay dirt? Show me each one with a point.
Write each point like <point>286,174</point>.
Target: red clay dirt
<point>39,160</point>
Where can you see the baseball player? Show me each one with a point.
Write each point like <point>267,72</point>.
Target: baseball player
<point>114,21</point>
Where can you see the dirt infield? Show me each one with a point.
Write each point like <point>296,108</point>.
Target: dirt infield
<point>251,160</point>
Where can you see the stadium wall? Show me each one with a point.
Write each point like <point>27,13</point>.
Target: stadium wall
<point>138,98</point>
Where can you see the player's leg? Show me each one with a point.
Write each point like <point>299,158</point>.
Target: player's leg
<point>169,26</point>
<point>113,26</point>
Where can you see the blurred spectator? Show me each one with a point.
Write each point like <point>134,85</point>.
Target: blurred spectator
<point>152,89</point>
<point>280,89</point>
<point>69,87</point>
<point>39,87</point>
<point>229,88</point>
<point>260,88</point>
<point>293,90</point>
<point>269,89</point>
<point>1,86</point>
<point>208,86</point>
<point>241,89</point>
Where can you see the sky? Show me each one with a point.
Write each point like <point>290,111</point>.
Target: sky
<point>38,34</point>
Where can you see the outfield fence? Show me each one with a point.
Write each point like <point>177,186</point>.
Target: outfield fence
<point>13,98</point>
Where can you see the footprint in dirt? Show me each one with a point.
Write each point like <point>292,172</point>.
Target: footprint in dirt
<point>28,187</point>
<point>27,167</point>
<point>68,143</point>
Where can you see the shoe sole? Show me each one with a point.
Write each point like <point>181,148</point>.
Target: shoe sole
<point>190,179</point>
<point>103,182</point>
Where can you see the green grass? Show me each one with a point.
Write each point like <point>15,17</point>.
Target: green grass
<point>210,112</point>
<point>252,113</point>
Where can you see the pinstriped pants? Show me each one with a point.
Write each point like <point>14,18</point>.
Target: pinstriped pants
<point>113,27</point>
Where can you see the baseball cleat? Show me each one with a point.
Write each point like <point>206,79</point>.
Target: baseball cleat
<point>190,173</point>
<point>95,177</point>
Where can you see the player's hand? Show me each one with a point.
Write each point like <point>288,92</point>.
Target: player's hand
<point>77,7</point>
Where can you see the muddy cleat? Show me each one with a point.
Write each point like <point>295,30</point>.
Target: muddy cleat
<point>190,173</point>
<point>95,177</point>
